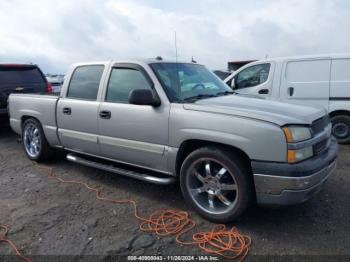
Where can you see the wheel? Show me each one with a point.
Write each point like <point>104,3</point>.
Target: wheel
<point>34,141</point>
<point>216,183</point>
<point>341,128</point>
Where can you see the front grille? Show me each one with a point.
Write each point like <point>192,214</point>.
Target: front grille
<point>320,124</point>
<point>320,146</point>
<point>317,127</point>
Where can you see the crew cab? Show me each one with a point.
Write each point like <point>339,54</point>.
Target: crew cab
<point>162,121</point>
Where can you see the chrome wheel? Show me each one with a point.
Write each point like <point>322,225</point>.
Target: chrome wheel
<point>32,140</point>
<point>212,186</point>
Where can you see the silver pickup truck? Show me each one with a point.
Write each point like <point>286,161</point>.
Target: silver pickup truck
<point>160,121</point>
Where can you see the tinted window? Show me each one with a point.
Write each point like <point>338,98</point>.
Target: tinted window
<point>85,82</point>
<point>20,75</point>
<point>122,81</point>
<point>253,76</point>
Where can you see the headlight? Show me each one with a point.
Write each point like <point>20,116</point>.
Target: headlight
<point>296,134</point>
<point>298,155</point>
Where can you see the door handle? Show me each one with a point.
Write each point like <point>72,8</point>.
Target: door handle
<point>263,91</point>
<point>67,111</point>
<point>105,114</point>
<point>290,91</point>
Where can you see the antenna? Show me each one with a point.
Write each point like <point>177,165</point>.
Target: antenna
<point>175,46</point>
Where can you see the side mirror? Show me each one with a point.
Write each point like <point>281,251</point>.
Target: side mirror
<point>143,97</point>
<point>233,83</point>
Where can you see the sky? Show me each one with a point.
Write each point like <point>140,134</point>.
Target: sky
<point>55,34</point>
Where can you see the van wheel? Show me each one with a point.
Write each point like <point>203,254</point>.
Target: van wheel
<point>216,183</point>
<point>34,141</point>
<point>341,128</point>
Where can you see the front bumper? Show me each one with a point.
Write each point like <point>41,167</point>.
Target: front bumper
<point>288,184</point>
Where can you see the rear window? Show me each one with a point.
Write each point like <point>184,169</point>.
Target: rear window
<point>85,82</point>
<point>20,75</point>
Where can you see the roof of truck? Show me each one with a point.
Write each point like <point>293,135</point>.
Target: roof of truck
<point>142,60</point>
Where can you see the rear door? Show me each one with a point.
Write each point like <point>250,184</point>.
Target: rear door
<point>20,79</point>
<point>306,82</point>
<point>134,134</point>
<point>77,110</point>
<point>340,80</point>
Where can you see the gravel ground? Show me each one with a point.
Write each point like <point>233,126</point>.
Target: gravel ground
<point>49,218</point>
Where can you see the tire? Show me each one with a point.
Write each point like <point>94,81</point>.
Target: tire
<point>213,196</point>
<point>341,128</point>
<point>34,141</point>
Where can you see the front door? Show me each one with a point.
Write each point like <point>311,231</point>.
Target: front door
<point>77,111</point>
<point>134,134</point>
<point>254,80</point>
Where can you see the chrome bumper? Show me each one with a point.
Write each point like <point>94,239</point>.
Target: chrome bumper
<point>284,184</point>
<point>279,190</point>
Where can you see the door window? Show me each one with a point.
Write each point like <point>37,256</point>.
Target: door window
<point>122,81</point>
<point>85,82</point>
<point>253,76</point>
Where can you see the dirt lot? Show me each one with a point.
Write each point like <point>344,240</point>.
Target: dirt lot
<point>48,218</point>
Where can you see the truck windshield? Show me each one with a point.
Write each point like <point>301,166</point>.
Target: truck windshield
<point>184,82</point>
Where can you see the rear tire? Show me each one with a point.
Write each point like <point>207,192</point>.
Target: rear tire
<point>341,128</point>
<point>216,184</point>
<point>34,141</point>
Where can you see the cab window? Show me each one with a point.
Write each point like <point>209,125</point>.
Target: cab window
<point>122,81</point>
<point>85,82</point>
<point>252,76</point>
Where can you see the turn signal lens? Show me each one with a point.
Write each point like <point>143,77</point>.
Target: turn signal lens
<point>295,156</point>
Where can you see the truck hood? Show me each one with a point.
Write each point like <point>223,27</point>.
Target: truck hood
<point>260,109</point>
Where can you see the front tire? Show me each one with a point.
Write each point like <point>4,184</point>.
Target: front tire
<point>341,128</point>
<point>216,183</point>
<point>34,141</point>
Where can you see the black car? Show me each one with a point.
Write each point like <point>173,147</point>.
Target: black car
<point>21,78</point>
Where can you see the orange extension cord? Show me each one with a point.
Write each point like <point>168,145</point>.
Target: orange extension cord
<point>10,243</point>
<point>228,243</point>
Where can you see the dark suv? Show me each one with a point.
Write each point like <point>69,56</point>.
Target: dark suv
<point>20,78</point>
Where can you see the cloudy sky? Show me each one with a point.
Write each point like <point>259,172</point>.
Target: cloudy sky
<point>55,34</point>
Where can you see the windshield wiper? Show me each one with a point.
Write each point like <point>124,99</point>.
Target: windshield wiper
<point>197,97</point>
<point>225,93</point>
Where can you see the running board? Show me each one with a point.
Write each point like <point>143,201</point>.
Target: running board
<point>160,180</point>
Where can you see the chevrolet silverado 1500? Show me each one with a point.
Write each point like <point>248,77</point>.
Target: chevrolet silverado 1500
<point>159,121</point>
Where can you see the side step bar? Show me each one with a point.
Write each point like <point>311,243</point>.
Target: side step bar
<point>160,180</point>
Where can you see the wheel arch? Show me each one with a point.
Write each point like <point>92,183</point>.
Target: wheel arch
<point>339,112</point>
<point>190,145</point>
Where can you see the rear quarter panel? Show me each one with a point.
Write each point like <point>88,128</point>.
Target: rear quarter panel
<point>41,107</point>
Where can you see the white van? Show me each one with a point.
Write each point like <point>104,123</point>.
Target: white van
<point>314,80</point>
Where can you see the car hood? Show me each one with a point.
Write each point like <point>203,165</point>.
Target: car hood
<point>266,110</point>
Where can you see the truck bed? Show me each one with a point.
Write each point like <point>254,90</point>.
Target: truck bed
<point>41,107</point>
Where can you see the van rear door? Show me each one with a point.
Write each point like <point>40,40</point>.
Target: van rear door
<point>340,79</point>
<point>306,82</point>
